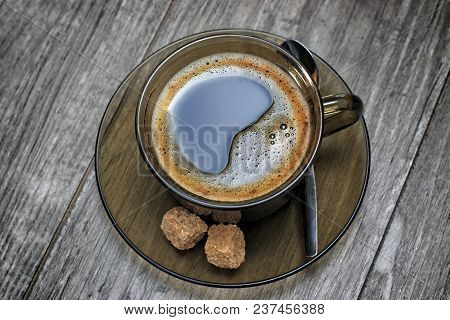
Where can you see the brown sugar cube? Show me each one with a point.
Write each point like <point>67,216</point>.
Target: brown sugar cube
<point>224,216</point>
<point>225,247</point>
<point>182,228</point>
<point>199,210</point>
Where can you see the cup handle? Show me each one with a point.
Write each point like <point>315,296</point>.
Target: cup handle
<point>340,111</point>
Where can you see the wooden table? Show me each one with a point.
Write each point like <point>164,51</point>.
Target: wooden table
<point>61,62</point>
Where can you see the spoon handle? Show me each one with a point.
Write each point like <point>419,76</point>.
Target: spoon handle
<point>308,196</point>
<point>307,188</point>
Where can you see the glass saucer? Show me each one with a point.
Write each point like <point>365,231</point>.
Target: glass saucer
<point>135,201</point>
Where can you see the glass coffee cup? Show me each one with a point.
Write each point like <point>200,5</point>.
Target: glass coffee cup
<point>327,115</point>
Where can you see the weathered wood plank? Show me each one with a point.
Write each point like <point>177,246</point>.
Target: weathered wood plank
<point>52,98</point>
<point>400,84</point>
<point>417,239</point>
<point>138,211</point>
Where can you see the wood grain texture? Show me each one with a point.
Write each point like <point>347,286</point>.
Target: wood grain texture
<point>138,212</point>
<point>417,238</point>
<point>54,89</point>
<point>383,80</point>
<point>394,55</point>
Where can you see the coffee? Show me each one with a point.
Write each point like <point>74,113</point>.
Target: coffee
<point>230,127</point>
<point>209,111</point>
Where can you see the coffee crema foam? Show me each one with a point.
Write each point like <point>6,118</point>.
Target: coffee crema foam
<point>263,156</point>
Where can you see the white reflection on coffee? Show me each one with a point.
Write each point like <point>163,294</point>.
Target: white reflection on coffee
<point>207,115</point>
